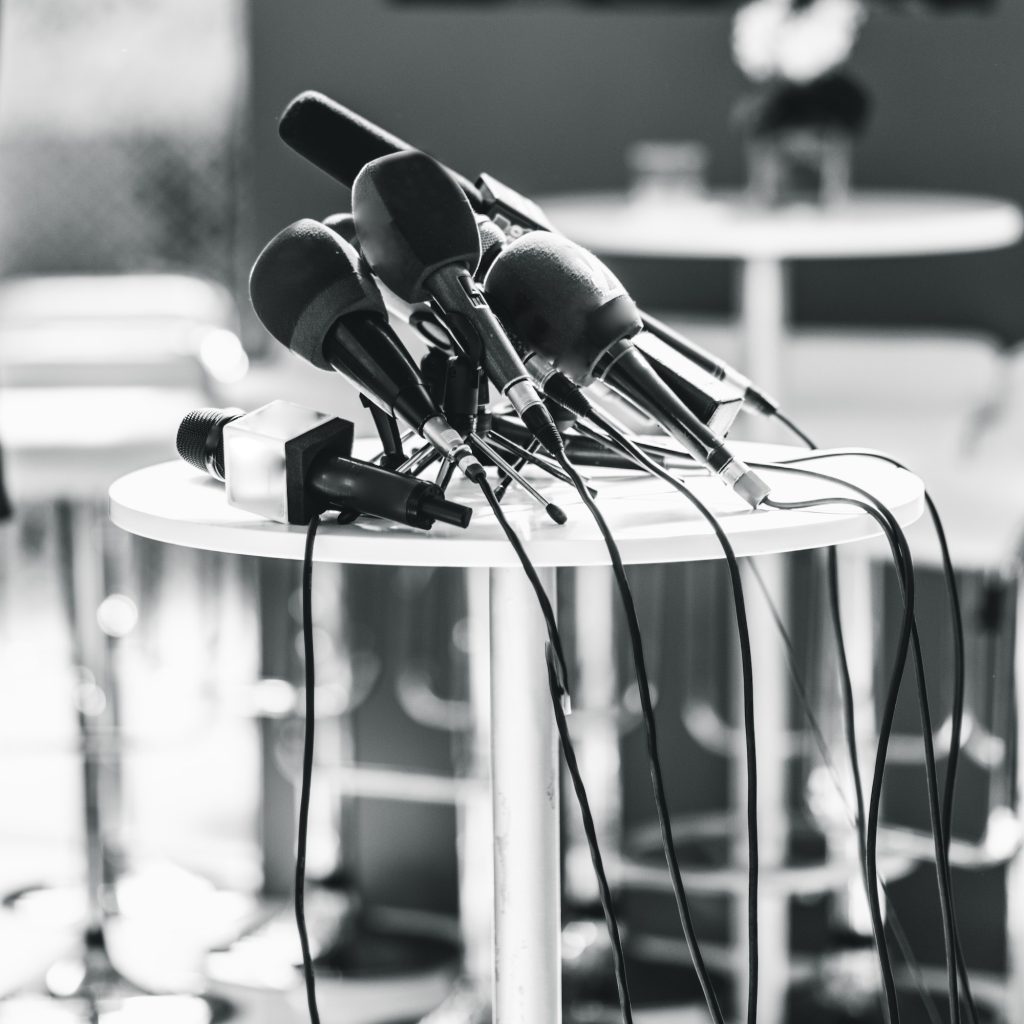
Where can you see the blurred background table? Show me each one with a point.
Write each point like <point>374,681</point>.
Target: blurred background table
<point>728,225</point>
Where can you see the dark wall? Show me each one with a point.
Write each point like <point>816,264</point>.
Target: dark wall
<point>546,97</point>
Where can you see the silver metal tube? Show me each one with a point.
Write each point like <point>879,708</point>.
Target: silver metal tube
<point>505,467</point>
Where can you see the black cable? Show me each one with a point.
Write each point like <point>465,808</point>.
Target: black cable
<point>956,615</point>
<point>902,558</point>
<point>557,674</point>
<point>855,819</point>
<point>788,423</point>
<point>307,768</point>
<point>939,817</point>
<point>632,451</point>
<point>956,719</point>
<point>654,760</point>
<point>940,820</point>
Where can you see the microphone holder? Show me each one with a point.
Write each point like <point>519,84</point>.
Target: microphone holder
<point>445,473</point>
<point>389,434</point>
<point>522,456</point>
<point>420,459</point>
<point>554,512</point>
<point>506,480</point>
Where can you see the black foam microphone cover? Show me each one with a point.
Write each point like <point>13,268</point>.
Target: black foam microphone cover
<point>340,142</point>
<point>560,300</point>
<point>303,281</point>
<point>413,220</point>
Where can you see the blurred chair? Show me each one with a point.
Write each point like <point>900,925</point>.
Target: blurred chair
<point>950,406</point>
<point>95,374</point>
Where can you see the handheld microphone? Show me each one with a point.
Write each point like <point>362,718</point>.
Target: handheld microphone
<point>312,292</point>
<point>559,299</point>
<point>289,464</point>
<point>418,233</point>
<point>340,142</point>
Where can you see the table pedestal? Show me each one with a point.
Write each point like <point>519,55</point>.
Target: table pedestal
<point>524,783</point>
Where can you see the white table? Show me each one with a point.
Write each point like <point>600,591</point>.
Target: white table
<point>175,504</point>
<point>729,226</point>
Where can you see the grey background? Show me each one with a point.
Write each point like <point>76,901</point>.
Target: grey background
<point>546,97</point>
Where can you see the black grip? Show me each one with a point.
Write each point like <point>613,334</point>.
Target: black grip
<point>341,142</point>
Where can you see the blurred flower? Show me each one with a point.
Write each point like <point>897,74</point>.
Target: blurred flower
<point>794,41</point>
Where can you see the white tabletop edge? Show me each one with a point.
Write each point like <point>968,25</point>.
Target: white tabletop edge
<point>173,504</point>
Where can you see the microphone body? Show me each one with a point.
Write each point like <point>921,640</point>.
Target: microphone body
<point>288,464</point>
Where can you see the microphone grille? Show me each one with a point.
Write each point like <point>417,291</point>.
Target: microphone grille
<point>200,440</point>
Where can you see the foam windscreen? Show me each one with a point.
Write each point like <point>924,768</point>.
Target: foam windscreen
<point>560,300</point>
<point>303,281</point>
<point>413,220</point>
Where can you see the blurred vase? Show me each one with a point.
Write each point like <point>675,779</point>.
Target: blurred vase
<point>800,137</point>
<point>802,165</point>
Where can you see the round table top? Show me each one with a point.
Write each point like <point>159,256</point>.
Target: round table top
<point>652,522</point>
<point>727,225</point>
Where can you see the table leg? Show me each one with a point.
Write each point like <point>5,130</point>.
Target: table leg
<point>771,713</point>
<point>597,743</point>
<point>764,310</point>
<point>857,604</point>
<point>1015,870</point>
<point>475,822</point>
<point>763,306</point>
<point>524,781</point>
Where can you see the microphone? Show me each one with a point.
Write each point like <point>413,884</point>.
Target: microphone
<point>418,233</point>
<point>289,464</point>
<point>340,142</point>
<point>713,400</point>
<point>313,293</point>
<point>561,300</point>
